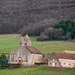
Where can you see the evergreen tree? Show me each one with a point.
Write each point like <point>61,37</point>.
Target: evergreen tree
<point>3,60</point>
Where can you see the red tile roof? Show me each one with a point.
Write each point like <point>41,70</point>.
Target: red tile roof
<point>63,55</point>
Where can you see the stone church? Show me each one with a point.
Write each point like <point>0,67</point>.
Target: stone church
<point>25,54</point>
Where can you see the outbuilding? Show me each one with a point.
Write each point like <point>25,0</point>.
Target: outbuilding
<point>61,59</point>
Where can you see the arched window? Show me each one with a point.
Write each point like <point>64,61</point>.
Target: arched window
<point>15,55</point>
<point>12,57</point>
<point>26,57</point>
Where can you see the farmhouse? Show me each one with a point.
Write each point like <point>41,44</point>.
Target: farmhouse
<point>62,59</point>
<point>25,54</point>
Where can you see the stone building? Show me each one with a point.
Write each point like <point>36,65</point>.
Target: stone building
<point>25,54</point>
<point>61,59</point>
<point>69,51</point>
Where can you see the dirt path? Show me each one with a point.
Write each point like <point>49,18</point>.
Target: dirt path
<point>55,69</point>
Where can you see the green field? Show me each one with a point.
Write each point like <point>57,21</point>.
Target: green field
<point>9,42</point>
<point>35,70</point>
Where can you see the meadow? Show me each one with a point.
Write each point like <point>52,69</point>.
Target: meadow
<point>35,70</point>
<point>9,42</point>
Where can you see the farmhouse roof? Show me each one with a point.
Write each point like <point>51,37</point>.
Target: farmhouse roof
<point>62,55</point>
<point>32,50</point>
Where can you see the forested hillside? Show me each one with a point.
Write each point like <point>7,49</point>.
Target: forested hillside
<point>18,16</point>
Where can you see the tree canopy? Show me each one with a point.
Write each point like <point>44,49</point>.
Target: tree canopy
<point>67,26</point>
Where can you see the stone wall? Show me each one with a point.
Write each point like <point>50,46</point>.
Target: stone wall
<point>35,58</point>
<point>31,59</point>
<point>53,60</point>
<point>67,63</point>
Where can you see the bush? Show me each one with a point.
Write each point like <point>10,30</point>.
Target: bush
<point>40,64</point>
<point>16,65</point>
<point>10,66</point>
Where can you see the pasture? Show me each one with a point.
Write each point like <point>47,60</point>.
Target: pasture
<point>35,70</point>
<point>9,42</point>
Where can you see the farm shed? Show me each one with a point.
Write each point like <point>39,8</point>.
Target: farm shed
<point>61,59</point>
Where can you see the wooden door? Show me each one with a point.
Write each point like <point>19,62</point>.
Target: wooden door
<point>19,61</point>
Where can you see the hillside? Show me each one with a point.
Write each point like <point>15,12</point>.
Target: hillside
<point>10,41</point>
<point>16,14</point>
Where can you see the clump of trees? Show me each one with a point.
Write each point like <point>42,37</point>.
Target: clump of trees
<point>3,60</point>
<point>68,27</point>
<point>63,30</point>
<point>52,34</point>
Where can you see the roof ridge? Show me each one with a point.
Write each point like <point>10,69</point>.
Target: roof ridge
<point>33,50</point>
<point>64,53</point>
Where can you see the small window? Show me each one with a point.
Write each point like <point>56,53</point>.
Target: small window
<point>64,63</point>
<point>50,63</point>
<point>55,63</point>
<point>53,60</point>
<point>25,43</point>
<point>20,43</point>
<point>15,60</point>
<point>69,64</point>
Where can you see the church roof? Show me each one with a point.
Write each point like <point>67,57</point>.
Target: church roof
<point>23,50</point>
<point>32,50</point>
<point>62,55</point>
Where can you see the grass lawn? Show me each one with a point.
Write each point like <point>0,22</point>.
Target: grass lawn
<point>10,41</point>
<point>35,70</point>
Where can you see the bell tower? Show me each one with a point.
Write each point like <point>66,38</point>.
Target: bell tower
<point>25,41</point>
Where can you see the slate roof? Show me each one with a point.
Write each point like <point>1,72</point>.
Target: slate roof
<point>62,55</point>
<point>32,50</point>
